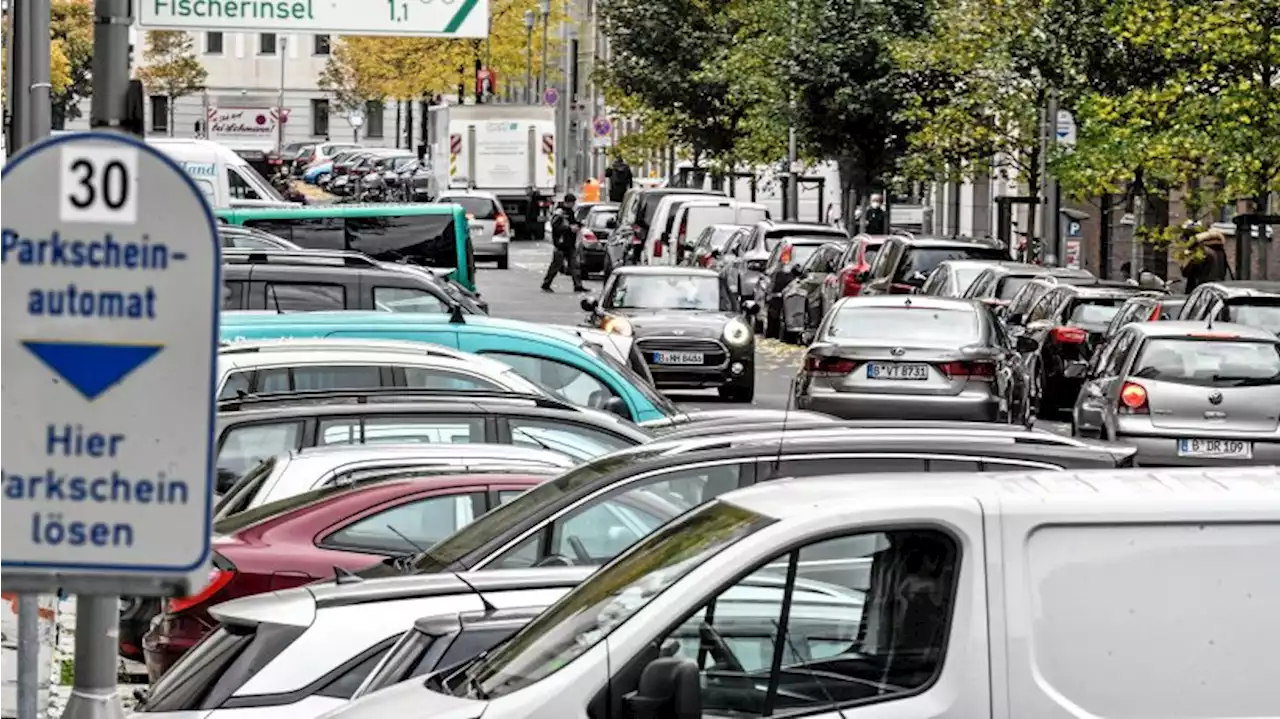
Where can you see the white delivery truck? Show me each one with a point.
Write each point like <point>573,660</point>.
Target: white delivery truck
<point>508,150</point>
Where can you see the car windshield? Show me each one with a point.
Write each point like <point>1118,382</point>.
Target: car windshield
<point>481,208</point>
<point>666,292</point>
<point>1210,362</point>
<point>1256,313</point>
<point>903,325</point>
<point>237,522</point>
<point>599,220</point>
<point>771,241</point>
<point>509,517</point>
<point>1010,285</point>
<point>1095,311</point>
<point>589,613</point>
<point>965,275</point>
<point>926,259</point>
<point>641,385</point>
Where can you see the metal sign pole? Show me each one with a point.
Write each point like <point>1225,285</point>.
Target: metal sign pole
<point>28,656</point>
<point>37,18</point>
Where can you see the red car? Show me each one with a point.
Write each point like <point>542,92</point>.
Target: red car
<point>304,538</point>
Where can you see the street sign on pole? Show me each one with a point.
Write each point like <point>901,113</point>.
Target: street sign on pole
<point>111,258</point>
<point>1066,128</point>
<point>602,127</point>
<point>551,96</point>
<point>461,19</point>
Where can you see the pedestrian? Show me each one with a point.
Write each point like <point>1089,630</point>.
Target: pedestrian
<point>620,179</point>
<point>564,240</point>
<point>1205,259</point>
<point>877,222</point>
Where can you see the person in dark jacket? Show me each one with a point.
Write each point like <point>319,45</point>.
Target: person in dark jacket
<point>564,238</point>
<point>1207,260</point>
<point>620,179</point>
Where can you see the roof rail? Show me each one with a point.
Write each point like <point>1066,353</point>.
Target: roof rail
<point>342,258</point>
<point>364,396</point>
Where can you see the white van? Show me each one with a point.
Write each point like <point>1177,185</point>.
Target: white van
<point>1110,593</point>
<point>661,246</point>
<point>692,218</point>
<point>224,177</point>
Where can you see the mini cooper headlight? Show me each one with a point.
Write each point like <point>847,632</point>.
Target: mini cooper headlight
<point>737,333</point>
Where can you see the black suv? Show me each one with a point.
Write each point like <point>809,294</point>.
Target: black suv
<point>904,263</point>
<point>1248,302</point>
<point>320,280</point>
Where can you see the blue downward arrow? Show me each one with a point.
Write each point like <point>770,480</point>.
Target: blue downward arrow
<point>91,368</point>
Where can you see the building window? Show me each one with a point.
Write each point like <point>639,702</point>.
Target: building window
<point>159,113</point>
<point>266,43</point>
<point>320,45</point>
<point>213,43</point>
<point>320,117</point>
<point>373,118</point>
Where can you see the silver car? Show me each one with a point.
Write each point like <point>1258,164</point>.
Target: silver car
<point>909,357</point>
<point>1185,393</point>
<point>490,228</point>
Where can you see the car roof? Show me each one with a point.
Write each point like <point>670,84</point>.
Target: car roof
<point>1109,290</point>
<point>482,194</point>
<point>350,318</point>
<point>915,301</point>
<point>1125,490</point>
<point>1205,330</point>
<point>664,270</point>
<point>314,355</point>
<point>339,453</point>
<point>969,263</point>
<point>338,344</point>
<point>1257,288</point>
<point>779,225</point>
<point>931,242</point>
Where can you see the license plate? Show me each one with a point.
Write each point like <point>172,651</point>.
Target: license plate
<point>898,371</point>
<point>678,357</point>
<point>1221,448</point>
<point>477,230</point>
<point>501,238</point>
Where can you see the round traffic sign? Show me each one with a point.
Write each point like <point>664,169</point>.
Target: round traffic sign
<point>551,96</point>
<point>355,118</point>
<point>602,127</point>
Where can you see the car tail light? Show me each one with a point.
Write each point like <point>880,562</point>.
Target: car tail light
<point>218,578</point>
<point>657,248</point>
<point>785,257</point>
<point>589,237</point>
<point>705,260</point>
<point>500,225</point>
<point>1069,335</point>
<point>1133,399</point>
<point>829,365</point>
<point>979,371</point>
<point>849,281</point>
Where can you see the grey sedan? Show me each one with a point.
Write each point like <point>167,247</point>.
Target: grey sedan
<point>1185,393</point>
<point>909,357</point>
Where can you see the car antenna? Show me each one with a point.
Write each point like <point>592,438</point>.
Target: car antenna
<point>488,606</point>
<point>342,575</point>
<point>455,315</point>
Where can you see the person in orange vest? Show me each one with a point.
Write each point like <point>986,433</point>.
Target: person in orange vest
<point>591,190</point>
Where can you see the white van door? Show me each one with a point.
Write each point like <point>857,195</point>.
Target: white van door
<point>658,246</point>
<point>698,216</point>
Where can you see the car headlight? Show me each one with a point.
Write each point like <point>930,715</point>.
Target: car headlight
<point>737,333</point>
<point>617,325</point>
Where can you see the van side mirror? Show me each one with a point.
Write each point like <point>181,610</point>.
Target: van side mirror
<point>669,688</point>
<point>618,407</point>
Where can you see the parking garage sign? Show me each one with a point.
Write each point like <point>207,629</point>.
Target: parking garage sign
<point>436,18</point>
<point>110,330</point>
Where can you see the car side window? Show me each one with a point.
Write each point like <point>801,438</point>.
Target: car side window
<point>575,440</point>
<point>600,529</point>
<point>298,297</point>
<point>407,299</point>
<point>344,685</point>
<point>1044,307</point>
<point>1100,358</point>
<point>401,430</point>
<point>422,522</point>
<point>936,283</point>
<point>828,624</point>
<point>1119,353</point>
<point>567,382</point>
<point>430,378</point>
<point>839,465</point>
<point>237,383</point>
<point>887,260</point>
<point>244,447</point>
<point>318,378</point>
<point>240,187</point>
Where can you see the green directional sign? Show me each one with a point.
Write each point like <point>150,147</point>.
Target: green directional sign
<point>442,18</point>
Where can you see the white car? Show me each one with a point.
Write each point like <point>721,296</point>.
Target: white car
<point>292,473</point>
<point>301,365</point>
<point>300,652</point>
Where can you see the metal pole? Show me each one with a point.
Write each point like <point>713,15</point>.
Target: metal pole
<point>542,77</point>
<point>1052,216</point>
<point>39,20</point>
<point>110,63</point>
<point>528,58</point>
<point>19,75</point>
<point>28,656</point>
<point>284,50</point>
<point>94,695</point>
<point>793,184</point>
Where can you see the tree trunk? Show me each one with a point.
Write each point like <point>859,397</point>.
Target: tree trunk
<point>172,113</point>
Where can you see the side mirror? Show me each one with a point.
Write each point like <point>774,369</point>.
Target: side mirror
<point>796,270</point>
<point>716,254</point>
<point>669,688</point>
<point>1075,370</point>
<point>1026,343</point>
<point>618,407</point>
<point>589,304</point>
<point>917,278</point>
<point>611,224</point>
<point>750,308</point>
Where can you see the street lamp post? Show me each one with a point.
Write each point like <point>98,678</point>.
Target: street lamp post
<point>545,7</point>
<point>529,22</point>
<point>284,47</point>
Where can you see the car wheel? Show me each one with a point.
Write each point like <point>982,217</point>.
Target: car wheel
<point>743,393</point>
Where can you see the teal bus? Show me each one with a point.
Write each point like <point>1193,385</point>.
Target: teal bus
<point>428,234</point>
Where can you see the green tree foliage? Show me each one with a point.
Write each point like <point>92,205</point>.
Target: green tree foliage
<point>71,31</point>
<point>170,67</point>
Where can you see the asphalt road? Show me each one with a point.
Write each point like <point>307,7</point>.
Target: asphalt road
<point>516,293</point>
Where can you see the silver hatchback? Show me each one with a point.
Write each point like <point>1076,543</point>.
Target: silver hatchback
<point>909,357</point>
<point>1185,393</point>
<point>490,228</point>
